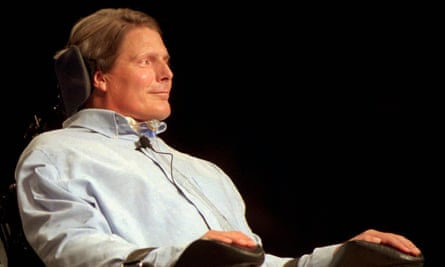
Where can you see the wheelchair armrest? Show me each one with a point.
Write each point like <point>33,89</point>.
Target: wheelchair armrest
<point>367,254</point>
<point>205,253</point>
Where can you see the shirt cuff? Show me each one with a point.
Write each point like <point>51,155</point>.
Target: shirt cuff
<point>320,257</point>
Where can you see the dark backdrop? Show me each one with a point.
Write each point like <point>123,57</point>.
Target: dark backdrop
<point>316,111</point>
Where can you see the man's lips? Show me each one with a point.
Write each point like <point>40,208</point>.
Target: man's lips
<point>164,94</point>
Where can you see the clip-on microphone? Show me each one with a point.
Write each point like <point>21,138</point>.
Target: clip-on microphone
<point>144,142</point>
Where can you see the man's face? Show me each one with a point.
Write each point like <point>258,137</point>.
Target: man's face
<point>140,81</point>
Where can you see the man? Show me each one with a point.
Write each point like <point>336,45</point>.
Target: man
<point>106,185</point>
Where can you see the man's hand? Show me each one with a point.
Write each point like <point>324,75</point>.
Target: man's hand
<point>397,241</point>
<point>231,237</point>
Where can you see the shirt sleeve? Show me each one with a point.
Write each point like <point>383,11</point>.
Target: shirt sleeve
<point>66,230</point>
<point>320,257</point>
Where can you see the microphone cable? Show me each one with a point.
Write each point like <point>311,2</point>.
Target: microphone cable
<point>144,142</point>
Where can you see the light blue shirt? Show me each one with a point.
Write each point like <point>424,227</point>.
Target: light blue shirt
<point>89,195</point>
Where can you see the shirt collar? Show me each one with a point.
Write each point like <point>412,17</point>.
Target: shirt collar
<point>111,123</point>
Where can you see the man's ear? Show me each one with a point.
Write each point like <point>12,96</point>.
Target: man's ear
<point>99,81</point>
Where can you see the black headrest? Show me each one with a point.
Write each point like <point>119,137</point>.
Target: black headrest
<point>73,79</point>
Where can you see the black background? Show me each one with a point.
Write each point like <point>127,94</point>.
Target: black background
<point>321,113</point>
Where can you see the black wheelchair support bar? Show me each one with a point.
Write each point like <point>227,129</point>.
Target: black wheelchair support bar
<point>366,254</point>
<point>206,253</point>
